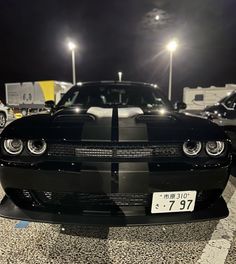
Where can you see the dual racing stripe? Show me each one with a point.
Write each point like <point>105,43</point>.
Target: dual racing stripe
<point>105,128</point>
<point>115,139</point>
<point>118,125</point>
<point>129,176</point>
<point>133,176</point>
<point>115,125</point>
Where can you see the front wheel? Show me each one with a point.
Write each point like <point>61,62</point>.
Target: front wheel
<point>2,120</point>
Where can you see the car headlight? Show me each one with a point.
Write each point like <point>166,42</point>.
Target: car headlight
<point>37,146</point>
<point>13,146</point>
<point>215,148</point>
<point>192,148</point>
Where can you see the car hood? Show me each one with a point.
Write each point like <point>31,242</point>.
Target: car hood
<point>218,108</point>
<point>119,124</point>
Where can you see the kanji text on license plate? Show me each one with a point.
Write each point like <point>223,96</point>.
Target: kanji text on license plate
<point>169,202</point>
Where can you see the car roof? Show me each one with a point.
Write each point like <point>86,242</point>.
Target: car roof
<point>129,83</point>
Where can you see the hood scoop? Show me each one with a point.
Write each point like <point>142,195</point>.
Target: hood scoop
<point>154,118</point>
<point>81,118</point>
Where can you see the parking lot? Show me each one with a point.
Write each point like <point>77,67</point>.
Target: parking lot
<point>204,242</point>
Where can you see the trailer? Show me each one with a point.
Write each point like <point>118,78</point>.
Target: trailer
<point>198,98</point>
<point>31,96</point>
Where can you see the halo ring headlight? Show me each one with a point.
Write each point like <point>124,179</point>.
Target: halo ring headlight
<point>37,146</point>
<point>192,148</point>
<point>215,148</point>
<point>13,146</point>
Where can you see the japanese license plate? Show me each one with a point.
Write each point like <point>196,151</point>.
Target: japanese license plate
<point>170,202</point>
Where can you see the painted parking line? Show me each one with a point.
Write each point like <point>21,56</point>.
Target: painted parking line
<point>217,248</point>
<point>22,224</point>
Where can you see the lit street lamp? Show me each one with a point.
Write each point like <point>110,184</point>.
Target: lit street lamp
<point>72,47</point>
<point>120,76</point>
<point>171,47</point>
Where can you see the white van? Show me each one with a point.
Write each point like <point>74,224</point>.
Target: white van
<point>6,114</point>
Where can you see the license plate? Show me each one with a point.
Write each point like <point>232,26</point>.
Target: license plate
<point>170,202</point>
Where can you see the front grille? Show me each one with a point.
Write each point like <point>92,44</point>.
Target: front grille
<point>93,152</point>
<point>86,200</point>
<point>95,202</point>
<point>115,151</point>
<point>82,201</point>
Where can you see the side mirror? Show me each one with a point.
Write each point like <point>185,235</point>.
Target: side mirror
<point>180,106</point>
<point>50,104</point>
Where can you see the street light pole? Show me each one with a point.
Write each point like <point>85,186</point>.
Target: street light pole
<point>73,66</point>
<point>72,47</point>
<point>171,47</point>
<point>170,75</point>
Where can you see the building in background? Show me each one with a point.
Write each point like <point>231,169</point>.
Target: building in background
<point>198,98</point>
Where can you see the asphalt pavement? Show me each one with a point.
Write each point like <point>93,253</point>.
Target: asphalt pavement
<point>203,242</point>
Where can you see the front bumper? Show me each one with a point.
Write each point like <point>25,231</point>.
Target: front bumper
<point>216,211</point>
<point>131,179</point>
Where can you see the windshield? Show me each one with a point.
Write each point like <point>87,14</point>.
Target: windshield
<point>228,100</point>
<point>111,95</point>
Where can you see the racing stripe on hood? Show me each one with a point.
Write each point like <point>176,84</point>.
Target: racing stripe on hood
<point>104,128</point>
<point>133,176</point>
<point>100,128</point>
<point>115,138</point>
<point>129,129</point>
<point>115,125</point>
<point>100,174</point>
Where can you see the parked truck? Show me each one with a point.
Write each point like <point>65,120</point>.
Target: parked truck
<point>31,96</point>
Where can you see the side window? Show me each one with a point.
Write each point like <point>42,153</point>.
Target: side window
<point>231,101</point>
<point>199,97</point>
<point>71,99</point>
<point>61,95</point>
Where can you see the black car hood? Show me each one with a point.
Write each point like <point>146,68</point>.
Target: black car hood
<point>119,124</point>
<point>217,109</point>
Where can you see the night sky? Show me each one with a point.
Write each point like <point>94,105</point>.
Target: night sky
<point>119,35</point>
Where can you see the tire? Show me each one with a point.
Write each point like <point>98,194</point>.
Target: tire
<point>3,120</point>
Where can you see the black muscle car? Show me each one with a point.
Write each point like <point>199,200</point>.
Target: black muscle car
<point>223,113</point>
<point>114,153</point>
<point>229,126</point>
<point>225,108</point>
